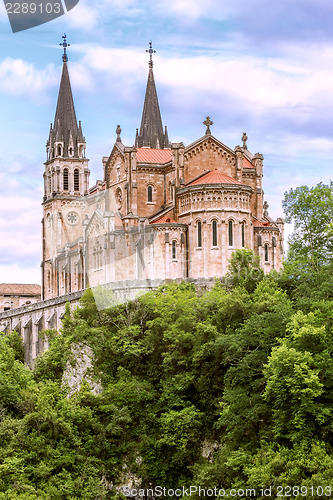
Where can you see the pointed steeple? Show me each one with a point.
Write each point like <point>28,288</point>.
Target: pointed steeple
<point>151,130</point>
<point>66,138</point>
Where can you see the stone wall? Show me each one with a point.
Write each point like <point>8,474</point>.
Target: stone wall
<point>32,319</point>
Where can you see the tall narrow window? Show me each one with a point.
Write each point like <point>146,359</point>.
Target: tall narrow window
<point>214,233</point>
<point>200,235</point>
<point>230,234</point>
<point>76,180</point>
<point>266,253</point>
<point>65,179</point>
<point>243,234</point>
<point>150,194</point>
<point>171,191</point>
<point>174,252</point>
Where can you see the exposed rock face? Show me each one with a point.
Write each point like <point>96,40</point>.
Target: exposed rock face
<point>208,450</point>
<point>80,368</point>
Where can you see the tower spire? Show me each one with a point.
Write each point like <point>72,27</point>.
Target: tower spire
<point>151,130</point>
<point>66,138</point>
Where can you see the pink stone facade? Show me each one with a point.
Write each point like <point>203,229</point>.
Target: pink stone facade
<point>162,211</point>
<point>174,220</point>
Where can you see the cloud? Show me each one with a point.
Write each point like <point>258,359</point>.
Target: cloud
<point>23,79</point>
<point>20,273</point>
<point>19,228</point>
<point>194,9</point>
<point>83,16</point>
<point>257,20</point>
<point>270,83</point>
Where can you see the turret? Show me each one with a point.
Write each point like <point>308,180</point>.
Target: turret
<point>66,167</point>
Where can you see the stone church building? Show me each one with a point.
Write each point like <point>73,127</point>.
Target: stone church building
<point>163,211</point>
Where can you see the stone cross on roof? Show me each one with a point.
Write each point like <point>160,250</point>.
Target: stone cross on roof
<point>208,122</point>
<point>64,44</point>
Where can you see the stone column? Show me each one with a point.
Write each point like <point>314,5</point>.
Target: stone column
<point>239,163</point>
<point>177,160</point>
<point>45,186</point>
<point>86,183</point>
<point>258,163</point>
<point>167,255</point>
<point>58,178</point>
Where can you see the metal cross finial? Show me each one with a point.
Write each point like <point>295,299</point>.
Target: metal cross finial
<point>244,139</point>
<point>64,44</point>
<point>151,52</point>
<point>208,122</point>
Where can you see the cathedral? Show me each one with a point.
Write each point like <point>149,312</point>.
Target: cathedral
<point>163,211</point>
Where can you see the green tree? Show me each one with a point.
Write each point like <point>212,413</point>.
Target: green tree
<point>311,211</point>
<point>244,269</point>
<point>299,384</point>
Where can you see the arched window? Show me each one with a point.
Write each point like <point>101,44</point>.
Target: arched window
<point>65,179</point>
<point>76,180</point>
<point>200,234</point>
<point>230,234</point>
<point>174,250</point>
<point>243,233</point>
<point>150,194</point>
<point>59,150</point>
<point>214,233</point>
<point>266,253</point>
<point>50,183</point>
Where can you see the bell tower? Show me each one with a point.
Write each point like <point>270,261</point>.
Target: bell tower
<point>66,183</point>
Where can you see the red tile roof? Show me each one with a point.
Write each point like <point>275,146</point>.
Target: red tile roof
<point>149,155</point>
<point>214,177</point>
<point>260,223</point>
<point>19,289</point>
<point>247,163</point>
<point>164,219</point>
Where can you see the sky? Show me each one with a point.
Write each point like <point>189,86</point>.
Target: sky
<point>264,68</point>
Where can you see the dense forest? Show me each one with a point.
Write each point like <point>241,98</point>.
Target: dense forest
<point>230,388</point>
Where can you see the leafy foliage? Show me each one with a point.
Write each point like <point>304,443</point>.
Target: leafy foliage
<point>311,210</point>
<point>232,388</point>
